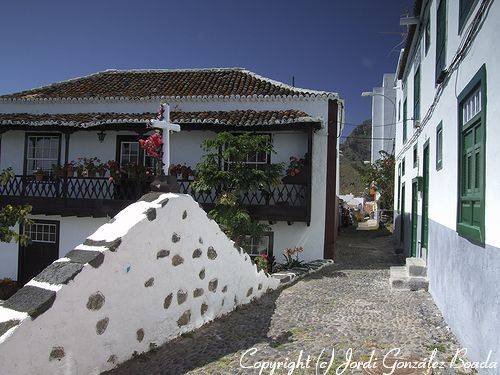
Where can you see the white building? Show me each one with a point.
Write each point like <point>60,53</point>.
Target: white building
<point>383,117</point>
<point>105,114</point>
<point>447,156</point>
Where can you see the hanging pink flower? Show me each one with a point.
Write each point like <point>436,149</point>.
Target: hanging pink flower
<point>152,145</point>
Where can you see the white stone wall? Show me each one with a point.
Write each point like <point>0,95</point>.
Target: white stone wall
<point>384,112</point>
<point>158,269</point>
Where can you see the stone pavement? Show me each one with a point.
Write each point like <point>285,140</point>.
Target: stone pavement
<point>347,305</point>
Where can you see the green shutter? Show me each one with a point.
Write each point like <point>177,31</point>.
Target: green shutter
<point>416,95</point>
<point>440,38</point>
<point>415,155</point>
<point>464,11</point>
<point>471,202</point>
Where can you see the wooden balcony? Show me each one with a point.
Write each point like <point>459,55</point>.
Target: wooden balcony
<point>100,197</point>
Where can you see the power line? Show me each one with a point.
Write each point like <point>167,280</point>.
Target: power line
<point>375,138</point>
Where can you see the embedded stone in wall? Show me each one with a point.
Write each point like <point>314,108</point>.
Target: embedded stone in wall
<point>96,301</point>
<point>197,253</point>
<point>151,214</point>
<point>31,300</point>
<point>167,301</point>
<point>224,289</point>
<point>202,274</point>
<point>139,335</point>
<point>149,282</point>
<point>184,215</point>
<point>259,287</point>
<point>198,292</point>
<point>5,326</point>
<point>94,258</point>
<point>101,326</point>
<point>249,292</point>
<point>112,358</point>
<point>57,353</point>
<point>212,285</point>
<point>184,319</point>
<point>211,253</point>
<point>181,297</point>
<point>204,308</point>
<point>162,254</point>
<point>177,260</point>
<point>200,240</point>
<point>111,245</point>
<point>175,238</point>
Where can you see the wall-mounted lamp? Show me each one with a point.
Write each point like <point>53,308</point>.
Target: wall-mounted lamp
<point>101,135</point>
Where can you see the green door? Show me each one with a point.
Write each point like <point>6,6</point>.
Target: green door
<point>414,218</point>
<point>425,198</point>
<point>402,221</point>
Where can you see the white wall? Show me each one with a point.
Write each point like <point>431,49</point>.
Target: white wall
<point>135,281</point>
<point>463,276</point>
<point>384,112</point>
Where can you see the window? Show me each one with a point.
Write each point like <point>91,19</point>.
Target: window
<point>130,153</point>
<point>439,146</point>
<point>405,123</point>
<point>464,11</point>
<point>399,187</point>
<point>416,95</point>
<point>472,128</point>
<point>440,40</point>
<point>403,167</point>
<point>415,155</point>
<point>427,33</point>
<point>257,246</point>
<point>399,110</point>
<point>41,152</point>
<point>258,159</point>
<point>41,232</point>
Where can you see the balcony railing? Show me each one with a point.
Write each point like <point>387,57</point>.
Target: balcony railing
<point>101,196</point>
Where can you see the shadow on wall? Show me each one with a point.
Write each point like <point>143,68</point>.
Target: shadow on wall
<point>402,244</point>
<point>238,331</point>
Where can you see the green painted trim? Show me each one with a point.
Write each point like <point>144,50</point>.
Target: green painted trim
<point>405,120</point>
<point>439,162</point>
<point>437,66</point>
<point>403,168</point>
<point>424,230</point>
<point>473,233</point>
<point>415,155</point>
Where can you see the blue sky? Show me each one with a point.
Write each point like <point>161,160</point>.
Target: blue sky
<point>335,45</point>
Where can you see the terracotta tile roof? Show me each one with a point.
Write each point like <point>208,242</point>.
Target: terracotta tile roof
<point>223,118</point>
<point>157,84</point>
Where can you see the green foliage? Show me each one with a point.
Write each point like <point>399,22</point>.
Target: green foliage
<point>382,173</point>
<point>224,170</point>
<point>12,215</point>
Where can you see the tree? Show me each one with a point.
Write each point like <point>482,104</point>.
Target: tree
<point>224,169</point>
<point>382,173</point>
<point>11,215</point>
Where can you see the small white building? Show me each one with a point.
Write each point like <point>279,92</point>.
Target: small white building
<point>104,115</point>
<point>447,157</point>
<point>383,117</point>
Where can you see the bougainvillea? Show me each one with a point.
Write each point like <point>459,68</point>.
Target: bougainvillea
<point>152,145</point>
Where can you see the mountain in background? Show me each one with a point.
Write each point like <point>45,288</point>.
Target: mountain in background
<point>353,152</point>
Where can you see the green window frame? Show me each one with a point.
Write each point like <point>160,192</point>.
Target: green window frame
<point>403,164</point>
<point>465,9</point>
<point>415,155</point>
<point>427,32</point>
<point>416,95</point>
<point>440,40</point>
<point>471,157</point>
<point>405,122</point>
<point>399,188</point>
<point>439,146</point>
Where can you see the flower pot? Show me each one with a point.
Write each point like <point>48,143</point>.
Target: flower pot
<point>39,176</point>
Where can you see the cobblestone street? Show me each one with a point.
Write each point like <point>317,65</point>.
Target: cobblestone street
<point>347,305</point>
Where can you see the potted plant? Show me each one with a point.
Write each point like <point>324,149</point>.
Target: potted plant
<point>296,172</point>
<point>101,168</point>
<point>57,171</point>
<point>39,174</point>
<point>68,169</point>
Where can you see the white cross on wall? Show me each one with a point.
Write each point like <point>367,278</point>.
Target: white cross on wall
<point>166,126</point>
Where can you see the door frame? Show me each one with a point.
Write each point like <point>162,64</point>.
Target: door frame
<point>414,217</point>
<point>57,223</point>
<point>402,221</point>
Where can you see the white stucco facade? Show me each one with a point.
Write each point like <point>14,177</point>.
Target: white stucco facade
<point>463,274</point>
<point>185,149</point>
<point>384,112</point>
